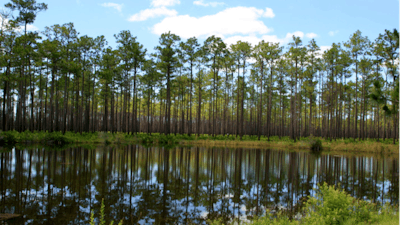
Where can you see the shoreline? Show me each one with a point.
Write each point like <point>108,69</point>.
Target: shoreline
<point>327,147</point>
<point>284,143</point>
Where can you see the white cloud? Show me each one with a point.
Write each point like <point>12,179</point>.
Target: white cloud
<point>325,48</point>
<point>269,13</point>
<point>31,27</point>
<point>254,40</point>
<point>331,33</point>
<point>116,6</point>
<point>157,3</point>
<point>231,21</point>
<point>289,36</point>
<point>311,35</point>
<point>322,49</point>
<point>151,13</point>
<point>213,4</point>
<point>273,39</point>
<point>5,22</point>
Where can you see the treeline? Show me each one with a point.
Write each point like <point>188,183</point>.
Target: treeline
<point>57,80</point>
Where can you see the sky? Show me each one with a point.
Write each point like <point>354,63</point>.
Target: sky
<point>250,20</point>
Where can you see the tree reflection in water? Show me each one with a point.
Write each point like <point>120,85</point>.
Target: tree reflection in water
<point>180,185</point>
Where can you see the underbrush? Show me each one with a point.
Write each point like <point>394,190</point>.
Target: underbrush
<point>160,139</point>
<point>315,144</point>
<point>8,138</point>
<point>49,138</point>
<point>311,143</point>
<point>57,138</point>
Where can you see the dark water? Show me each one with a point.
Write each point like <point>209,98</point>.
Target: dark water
<point>177,186</point>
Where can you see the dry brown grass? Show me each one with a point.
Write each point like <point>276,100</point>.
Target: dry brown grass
<point>241,144</point>
<point>375,147</point>
<point>364,148</point>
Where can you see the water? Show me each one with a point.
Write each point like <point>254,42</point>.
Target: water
<point>180,185</point>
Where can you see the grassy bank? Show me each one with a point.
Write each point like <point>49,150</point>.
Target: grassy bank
<point>331,206</point>
<point>305,143</point>
<point>338,146</point>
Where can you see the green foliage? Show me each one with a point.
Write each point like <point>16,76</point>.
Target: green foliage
<point>109,138</point>
<point>332,205</point>
<point>146,139</point>
<point>8,137</point>
<point>109,75</point>
<point>102,221</point>
<point>202,137</point>
<point>57,138</point>
<point>279,218</point>
<point>349,140</point>
<point>167,139</point>
<point>220,137</point>
<point>315,144</point>
<point>186,137</point>
<point>92,138</point>
<point>5,148</point>
<point>160,139</point>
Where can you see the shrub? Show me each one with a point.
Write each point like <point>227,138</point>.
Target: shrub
<point>219,137</point>
<point>6,148</point>
<point>167,139</point>
<point>118,138</point>
<point>187,137</point>
<point>315,144</point>
<point>250,138</point>
<point>57,138</point>
<point>146,139</point>
<point>332,205</point>
<point>202,137</point>
<point>8,137</point>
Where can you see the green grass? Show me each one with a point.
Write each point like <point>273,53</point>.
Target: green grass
<point>204,140</point>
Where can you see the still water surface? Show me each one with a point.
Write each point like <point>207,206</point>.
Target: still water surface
<point>180,185</point>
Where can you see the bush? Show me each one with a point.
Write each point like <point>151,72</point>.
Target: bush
<point>332,205</point>
<point>146,139</point>
<point>57,138</point>
<point>219,137</point>
<point>8,137</point>
<point>6,148</point>
<point>167,139</point>
<point>203,137</point>
<point>184,137</point>
<point>315,144</point>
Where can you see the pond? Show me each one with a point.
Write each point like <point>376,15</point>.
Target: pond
<point>181,185</point>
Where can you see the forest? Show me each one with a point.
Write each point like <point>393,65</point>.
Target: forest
<point>59,80</point>
<point>193,131</point>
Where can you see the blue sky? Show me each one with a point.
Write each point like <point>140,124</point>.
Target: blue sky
<point>250,20</point>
